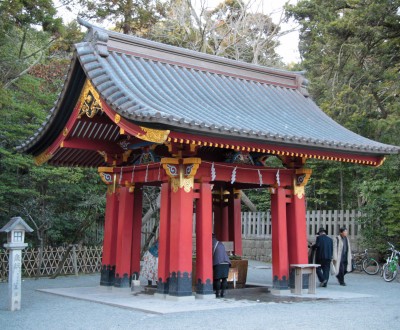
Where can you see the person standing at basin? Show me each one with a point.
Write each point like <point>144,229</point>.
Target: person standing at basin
<point>323,256</point>
<point>221,264</point>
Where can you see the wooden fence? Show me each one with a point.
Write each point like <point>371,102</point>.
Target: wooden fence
<point>258,224</point>
<point>87,259</point>
<point>81,259</point>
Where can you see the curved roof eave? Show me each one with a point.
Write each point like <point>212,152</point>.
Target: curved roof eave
<point>148,82</point>
<point>59,114</point>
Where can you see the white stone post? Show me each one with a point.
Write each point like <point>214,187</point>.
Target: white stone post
<point>15,230</point>
<point>14,276</point>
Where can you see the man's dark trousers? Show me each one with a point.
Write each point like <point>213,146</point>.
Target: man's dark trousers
<point>323,271</point>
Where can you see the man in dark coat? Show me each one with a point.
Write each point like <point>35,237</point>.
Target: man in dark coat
<point>323,256</point>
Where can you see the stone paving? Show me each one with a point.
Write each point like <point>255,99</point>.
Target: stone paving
<point>78,302</point>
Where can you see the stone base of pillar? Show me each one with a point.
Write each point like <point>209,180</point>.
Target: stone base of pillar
<point>107,275</point>
<point>204,288</point>
<point>122,282</point>
<point>280,284</point>
<point>205,296</point>
<point>180,285</point>
<point>280,292</point>
<point>162,287</point>
<point>180,298</point>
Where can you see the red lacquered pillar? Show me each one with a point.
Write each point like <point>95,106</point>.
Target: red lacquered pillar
<point>217,212</point>
<point>296,222</point>
<point>225,219</point>
<point>297,231</point>
<point>124,239</point>
<point>181,172</point>
<point>180,282</point>
<point>110,239</point>
<point>204,270</point>
<point>136,231</point>
<point>164,239</point>
<point>280,261</point>
<point>237,224</point>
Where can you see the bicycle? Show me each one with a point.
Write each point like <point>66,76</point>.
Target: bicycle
<point>362,261</point>
<point>391,266</point>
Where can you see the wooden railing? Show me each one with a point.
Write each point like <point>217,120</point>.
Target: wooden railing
<point>87,259</point>
<point>258,224</point>
<point>81,259</point>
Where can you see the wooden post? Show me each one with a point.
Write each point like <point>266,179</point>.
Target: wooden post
<point>180,283</point>
<point>136,231</point>
<point>204,270</point>
<point>181,172</point>
<point>280,260</point>
<point>124,239</point>
<point>235,221</point>
<point>164,240</point>
<point>108,261</point>
<point>74,260</point>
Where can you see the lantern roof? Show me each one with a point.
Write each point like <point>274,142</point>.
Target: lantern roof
<point>16,223</point>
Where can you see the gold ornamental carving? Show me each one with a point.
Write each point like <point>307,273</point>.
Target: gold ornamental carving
<point>89,101</point>
<point>302,175</point>
<point>42,158</point>
<point>181,172</point>
<point>153,135</point>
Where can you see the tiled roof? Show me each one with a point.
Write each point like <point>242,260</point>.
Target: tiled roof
<point>182,90</point>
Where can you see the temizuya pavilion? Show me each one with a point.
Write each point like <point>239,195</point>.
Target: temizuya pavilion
<point>201,127</point>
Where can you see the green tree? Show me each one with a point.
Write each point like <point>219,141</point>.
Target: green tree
<point>22,44</point>
<point>350,50</point>
<point>128,16</point>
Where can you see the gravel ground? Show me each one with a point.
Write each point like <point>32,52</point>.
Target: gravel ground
<point>46,311</point>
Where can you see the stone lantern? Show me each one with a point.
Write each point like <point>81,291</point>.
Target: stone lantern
<point>15,230</point>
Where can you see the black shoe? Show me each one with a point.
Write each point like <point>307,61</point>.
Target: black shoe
<point>324,284</point>
<point>343,284</point>
<point>217,294</point>
<point>222,293</point>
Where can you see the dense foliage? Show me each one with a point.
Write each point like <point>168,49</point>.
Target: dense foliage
<point>56,202</point>
<point>351,52</point>
<point>349,48</point>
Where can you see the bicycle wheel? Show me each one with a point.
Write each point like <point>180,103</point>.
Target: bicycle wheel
<point>370,266</point>
<point>388,274</point>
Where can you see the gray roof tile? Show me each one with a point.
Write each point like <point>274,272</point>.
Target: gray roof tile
<point>199,93</point>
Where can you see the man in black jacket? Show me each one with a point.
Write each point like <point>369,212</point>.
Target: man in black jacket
<point>323,256</point>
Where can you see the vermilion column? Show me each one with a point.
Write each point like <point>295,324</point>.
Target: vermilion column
<point>296,222</point>
<point>297,231</point>
<point>181,172</point>
<point>164,240</point>
<point>136,231</point>
<point>235,221</point>
<point>110,239</point>
<point>180,282</point>
<point>280,261</point>
<point>225,220</point>
<point>217,212</point>
<point>204,270</point>
<point>237,224</point>
<point>124,239</point>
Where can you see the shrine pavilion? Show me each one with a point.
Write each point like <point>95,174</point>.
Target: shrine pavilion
<point>200,127</point>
